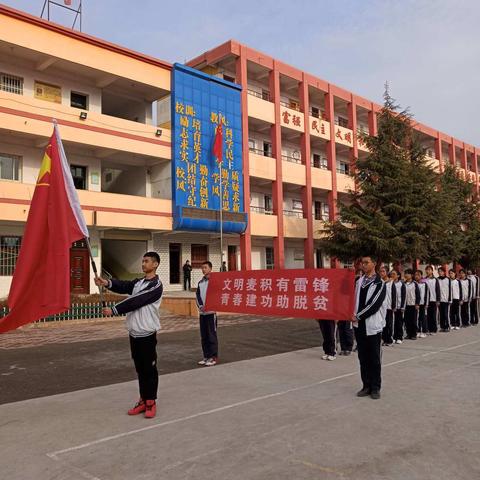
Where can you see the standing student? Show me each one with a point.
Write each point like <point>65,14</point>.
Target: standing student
<point>400,307</point>
<point>412,303</point>
<point>346,337</point>
<point>474,301</point>
<point>143,322</point>
<point>390,305</point>
<point>467,292</point>
<point>433,300</point>
<point>445,299</point>
<point>187,275</point>
<point>456,300</point>
<point>208,321</point>
<point>424,299</point>
<point>368,321</point>
<point>327,327</point>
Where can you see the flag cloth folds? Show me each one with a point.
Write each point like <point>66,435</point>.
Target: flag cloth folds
<point>41,280</point>
<point>218,144</point>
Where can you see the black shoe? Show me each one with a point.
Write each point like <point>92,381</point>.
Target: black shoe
<point>375,395</point>
<point>347,353</point>
<point>364,392</point>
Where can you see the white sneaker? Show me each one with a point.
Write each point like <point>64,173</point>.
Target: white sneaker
<point>211,362</point>
<point>398,341</point>
<point>331,358</point>
<point>202,362</point>
<point>325,357</point>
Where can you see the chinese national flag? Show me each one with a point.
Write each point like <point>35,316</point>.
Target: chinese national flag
<point>41,281</point>
<point>218,144</point>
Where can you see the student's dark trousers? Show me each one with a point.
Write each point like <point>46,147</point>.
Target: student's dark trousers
<point>208,334</point>
<point>144,355</point>
<point>443,311</point>
<point>465,314</point>
<point>369,356</point>
<point>473,312</point>
<point>422,320</point>
<point>327,327</point>
<point>398,325</point>
<point>411,321</point>
<point>387,333</point>
<point>187,280</point>
<point>345,334</point>
<point>455,313</point>
<point>432,317</point>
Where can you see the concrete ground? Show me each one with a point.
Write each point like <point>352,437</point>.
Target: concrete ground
<point>284,416</point>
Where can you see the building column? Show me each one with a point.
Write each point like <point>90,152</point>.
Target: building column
<point>352,124</point>
<point>372,121</point>
<point>307,190</point>
<point>332,162</point>
<point>277,187</point>
<point>245,238</point>
<point>438,153</point>
<point>451,152</point>
<point>475,168</point>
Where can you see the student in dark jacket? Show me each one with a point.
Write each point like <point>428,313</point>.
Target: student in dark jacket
<point>187,275</point>
<point>143,322</point>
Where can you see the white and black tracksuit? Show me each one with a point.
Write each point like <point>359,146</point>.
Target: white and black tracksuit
<point>143,322</point>
<point>399,312</point>
<point>391,305</point>
<point>433,301</point>
<point>370,313</point>
<point>474,301</point>
<point>467,292</point>
<point>208,322</point>
<point>455,306</point>
<point>422,326</point>
<point>445,301</point>
<point>412,300</point>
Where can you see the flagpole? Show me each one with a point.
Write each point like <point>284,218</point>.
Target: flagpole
<point>94,268</point>
<point>221,219</point>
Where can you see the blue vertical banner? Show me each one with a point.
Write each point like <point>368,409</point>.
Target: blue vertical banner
<point>200,103</point>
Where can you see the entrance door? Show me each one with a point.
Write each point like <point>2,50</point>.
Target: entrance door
<point>232,258</point>
<point>319,258</point>
<point>175,253</point>
<point>79,269</point>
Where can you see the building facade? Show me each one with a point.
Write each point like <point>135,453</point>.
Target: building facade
<point>113,106</point>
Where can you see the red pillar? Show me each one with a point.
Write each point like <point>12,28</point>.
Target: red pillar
<point>307,190</point>
<point>245,238</point>
<point>451,151</point>
<point>332,162</point>
<point>352,124</point>
<point>372,121</point>
<point>475,168</point>
<point>278,241</point>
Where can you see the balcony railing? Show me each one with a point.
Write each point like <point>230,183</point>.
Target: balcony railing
<point>292,106</point>
<point>318,114</point>
<point>343,171</point>
<point>255,209</point>
<point>324,216</point>
<point>323,166</point>
<point>259,151</point>
<point>263,95</point>
<point>293,213</point>
<point>289,158</point>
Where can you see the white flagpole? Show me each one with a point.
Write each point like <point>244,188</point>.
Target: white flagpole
<point>221,217</point>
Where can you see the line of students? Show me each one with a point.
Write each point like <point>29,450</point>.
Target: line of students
<point>415,305</point>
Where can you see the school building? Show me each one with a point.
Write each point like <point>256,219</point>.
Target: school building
<point>117,116</point>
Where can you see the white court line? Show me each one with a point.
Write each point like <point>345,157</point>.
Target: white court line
<point>54,455</point>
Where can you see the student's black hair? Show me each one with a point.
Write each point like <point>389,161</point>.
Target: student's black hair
<point>429,267</point>
<point>441,269</point>
<point>452,270</point>
<point>409,271</point>
<point>207,262</point>
<point>153,255</point>
<point>462,270</point>
<point>419,271</point>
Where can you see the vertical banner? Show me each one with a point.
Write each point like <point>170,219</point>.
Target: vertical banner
<point>324,294</point>
<point>202,105</point>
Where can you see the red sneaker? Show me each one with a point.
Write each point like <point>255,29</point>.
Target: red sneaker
<point>151,409</point>
<point>139,407</point>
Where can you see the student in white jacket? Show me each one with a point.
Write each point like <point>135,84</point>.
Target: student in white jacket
<point>368,321</point>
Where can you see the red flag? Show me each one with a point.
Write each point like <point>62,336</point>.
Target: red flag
<point>218,144</point>
<point>41,281</point>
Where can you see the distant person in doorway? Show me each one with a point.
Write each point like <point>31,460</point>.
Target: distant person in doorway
<point>187,276</point>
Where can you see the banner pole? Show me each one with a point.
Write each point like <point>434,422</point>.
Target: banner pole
<point>221,220</point>
<point>94,268</point>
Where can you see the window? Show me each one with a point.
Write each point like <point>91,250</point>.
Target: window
<point>267,149</point>
<point>79,100</point>
<point>251,145</point>
<point>265,95</point>
<point>79,175</point>
<point>269,258</point>
<point>268,203</point>
<point>9,249</point>
<point>229,78</point>
<point>318,161</point>
<point>315,112</point>
<point>343,122</point>
<point>199,255</point>
<point>9,167</point>
<point>297,205</point>
<point>343,167</point>
<point>11,83</point>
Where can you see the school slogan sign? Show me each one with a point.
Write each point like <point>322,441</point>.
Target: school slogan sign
<point>325,294</point>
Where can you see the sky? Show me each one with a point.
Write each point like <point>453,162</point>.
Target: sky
<point>427,50</point>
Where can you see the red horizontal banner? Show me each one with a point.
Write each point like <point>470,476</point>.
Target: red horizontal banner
<point>325,294</point>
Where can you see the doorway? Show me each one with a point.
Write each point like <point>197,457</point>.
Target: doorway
<point>175,254</point>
